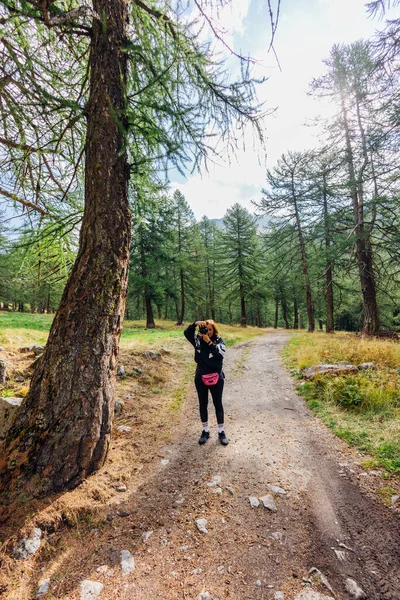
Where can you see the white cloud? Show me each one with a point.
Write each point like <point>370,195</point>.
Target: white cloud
<point>307,30</point>
<point>232,15</point>
<point>214,192</point>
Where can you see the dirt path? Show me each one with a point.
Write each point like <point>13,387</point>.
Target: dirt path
<point>326,520</point>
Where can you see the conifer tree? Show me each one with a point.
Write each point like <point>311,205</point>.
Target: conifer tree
<point>98,89</point>
<point>287,200</point>
<point>240,256</point>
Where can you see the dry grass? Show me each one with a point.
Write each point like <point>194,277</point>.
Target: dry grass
<point>153,399</point>
<point>364,407</point>
<point>307,350</point>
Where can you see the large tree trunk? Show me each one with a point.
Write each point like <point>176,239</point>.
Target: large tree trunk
<point>363,245</point>
<point>310,312</point>
<point>62,433</point>
<point>166,306</point>
<point>276,312</point>
<point>330,326</point>
<point>295,313</point>
<point>147,300</point>
<point>285,312</point>
<point>211,292</point>
<point>150,324</point>
<point>243,320</point>
<point>182,311</point>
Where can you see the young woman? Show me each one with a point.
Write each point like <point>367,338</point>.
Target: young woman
<point>209,355</point>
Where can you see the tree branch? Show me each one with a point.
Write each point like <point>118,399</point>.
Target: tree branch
<point>158,15</point>
<point>26,147</point>
<point>22,201</point>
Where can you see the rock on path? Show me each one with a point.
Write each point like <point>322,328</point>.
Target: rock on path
<point>91,590</point>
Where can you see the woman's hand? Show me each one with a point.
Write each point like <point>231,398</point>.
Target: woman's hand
<point>200,323</point>
<point>206,339</point>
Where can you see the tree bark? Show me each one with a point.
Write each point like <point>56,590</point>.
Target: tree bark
<point>182,311</point>
<point>330,326</point>
<point>296,313</point>
<point>147,300</point>
<point>62,433</point>
<point>276,312</point>
<point>166,307</point>
<point>284,312</point>
<point>242,309</point>
<point>363,244</point>
<point>310,312</point>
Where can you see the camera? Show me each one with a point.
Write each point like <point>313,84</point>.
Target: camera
<point>203,330</point>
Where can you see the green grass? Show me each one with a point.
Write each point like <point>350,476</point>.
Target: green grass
<point>25,328</point>
<point>19,329</point>
<point>362,408</point>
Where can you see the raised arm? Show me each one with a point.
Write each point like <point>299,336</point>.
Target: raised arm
<point>190,332</point>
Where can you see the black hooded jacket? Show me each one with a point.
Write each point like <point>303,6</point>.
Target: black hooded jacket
<point>209,358</point>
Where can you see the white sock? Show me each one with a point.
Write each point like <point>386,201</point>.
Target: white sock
<point>220,428</point>
<point>206,427</point>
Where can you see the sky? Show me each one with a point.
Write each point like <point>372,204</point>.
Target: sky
<point>306,32</point>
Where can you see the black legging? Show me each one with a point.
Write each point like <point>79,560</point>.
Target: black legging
<point>216,393</point>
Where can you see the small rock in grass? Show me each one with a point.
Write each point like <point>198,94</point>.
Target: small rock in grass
<point>366,366</point>
<point>127,563</point>
<point>311,372</point>
<point>119,405</point>
<point>28,546</point>
<point>354,589</point>
<point>152,355</point>
<point>121,371</point>
<point>254,503</point>
<point>201,525</point>
<point>322,579</point>
<point>90,590</point>
<point>121,488</point>
<point>275,489</point>
<point>102,569</point>
<point>216,480</point>
<point>279,596</point>
<point>258,583</point>
<point>43,587</point>
<point>146,535</point>
<point>309,594</point>
<point>124,512</point>
<point>204,596</point>
<point>124,428</point>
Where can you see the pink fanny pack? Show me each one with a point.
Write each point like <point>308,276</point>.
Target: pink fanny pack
<point>210,379</point>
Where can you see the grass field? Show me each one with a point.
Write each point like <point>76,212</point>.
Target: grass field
<point>18,329</point>
<point>362,408</point>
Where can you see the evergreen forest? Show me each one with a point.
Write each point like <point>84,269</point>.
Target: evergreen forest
<point>320,249</point>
